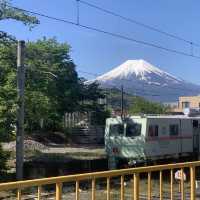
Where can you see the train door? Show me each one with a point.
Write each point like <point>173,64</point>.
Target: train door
<point>196,132</point>
<point>113,140</point>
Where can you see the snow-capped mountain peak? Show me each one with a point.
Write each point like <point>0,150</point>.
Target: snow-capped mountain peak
<point>142,78</point>
<point>138,68</point>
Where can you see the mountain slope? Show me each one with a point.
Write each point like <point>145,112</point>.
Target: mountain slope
<point>140,78</point>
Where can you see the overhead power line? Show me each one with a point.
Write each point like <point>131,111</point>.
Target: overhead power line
<point>139,23</point>
<point>110,33</point>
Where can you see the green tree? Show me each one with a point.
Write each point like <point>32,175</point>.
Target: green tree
<point>8,66</point>
<point>141,105</point>
<point>8,74</point>
<point>52,87</point>
<point>90,95</point>
<point>52,84</point>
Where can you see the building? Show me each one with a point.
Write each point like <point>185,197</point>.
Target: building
<point>189,102</point>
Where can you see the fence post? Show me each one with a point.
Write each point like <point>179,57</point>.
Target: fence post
<point>192,183</point>
<point>19,194</point>
<point>108,188</point>
<point>58,191</point>
<point>39,193</point>
<point>122,187</point>
<point>93,189</point>
<point>136,186</point>
<point>161,186</point>
<point>149,185</point>
<point>182,185</point>
<point>77,190</point>
<point>171,184</point>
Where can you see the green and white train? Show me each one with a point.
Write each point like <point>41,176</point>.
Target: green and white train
<point>149,138</point>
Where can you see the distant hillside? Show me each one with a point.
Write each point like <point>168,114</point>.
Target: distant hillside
<point>133,104</point>
<point>114,99</point>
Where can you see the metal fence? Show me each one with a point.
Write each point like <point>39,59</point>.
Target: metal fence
<point>132,173</point>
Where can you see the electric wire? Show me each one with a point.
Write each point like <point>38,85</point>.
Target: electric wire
<point>139,23</point>
<point>110,33</point>
<point>106,32</point>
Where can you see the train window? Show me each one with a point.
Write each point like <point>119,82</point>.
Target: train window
<point>133,130</point>
<point>195,123</point>
<point>173,128</point>
<point>116,129</point>
<point>153,131</point>
<point>164,130</point>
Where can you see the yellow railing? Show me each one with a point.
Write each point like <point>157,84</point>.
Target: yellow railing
<point>108,175</point>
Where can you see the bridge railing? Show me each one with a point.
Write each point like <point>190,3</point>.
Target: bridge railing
<point>134,173</point>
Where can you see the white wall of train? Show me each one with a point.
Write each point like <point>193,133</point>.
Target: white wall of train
<point>149,138</point>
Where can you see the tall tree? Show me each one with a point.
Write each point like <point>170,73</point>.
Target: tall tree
<point>8,73</point>
<point>52,85</point>
<point>8,65</point>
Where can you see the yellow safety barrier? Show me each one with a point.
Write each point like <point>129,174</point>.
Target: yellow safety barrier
<point>108,175</point>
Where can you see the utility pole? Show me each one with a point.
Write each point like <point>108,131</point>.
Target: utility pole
<point>122,101</point>
<point>20,110</point>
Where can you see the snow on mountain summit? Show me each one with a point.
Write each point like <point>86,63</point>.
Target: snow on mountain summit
<point>139,69</point>
<point>141,78</point>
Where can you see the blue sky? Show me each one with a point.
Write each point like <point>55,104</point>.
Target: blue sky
<point>98,53</point>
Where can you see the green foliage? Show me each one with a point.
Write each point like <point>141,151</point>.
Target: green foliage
<point>134,104</point>
<point>7,12</point>
<point>114,99</point>
<point>7,90</point>
<point>8,67</point>
<point>37,108</point>
<point>141,105</point>
<point>3,162</point>
<point>8,75</point>
<point>99,117</point>
<point>90,96</point>
<point>52,85</point>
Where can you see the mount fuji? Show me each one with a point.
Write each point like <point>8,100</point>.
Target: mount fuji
<point>140,78</point>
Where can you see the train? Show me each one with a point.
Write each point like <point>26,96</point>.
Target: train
<point>143,139</point>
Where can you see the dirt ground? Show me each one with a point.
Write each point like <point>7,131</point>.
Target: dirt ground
<point>34,150</point>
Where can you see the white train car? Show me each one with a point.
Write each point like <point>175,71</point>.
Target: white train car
<point>148,138</point>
